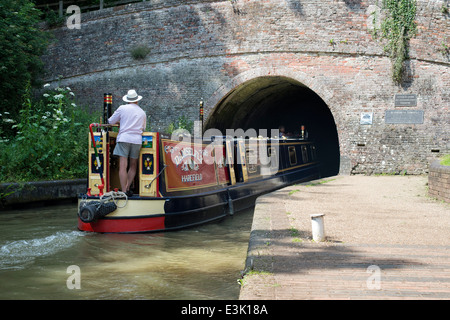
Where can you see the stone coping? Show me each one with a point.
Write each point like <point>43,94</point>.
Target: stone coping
<point>29,192</point>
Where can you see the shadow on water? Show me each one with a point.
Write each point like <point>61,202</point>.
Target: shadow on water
<point>38,245</point>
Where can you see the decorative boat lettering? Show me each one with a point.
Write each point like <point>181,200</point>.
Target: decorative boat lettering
<point>191,177</point>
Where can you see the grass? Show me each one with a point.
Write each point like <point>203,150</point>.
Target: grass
<point>294,232</point>
<point>242,281</point>
<point>319,182</point>
<point>445,160</point>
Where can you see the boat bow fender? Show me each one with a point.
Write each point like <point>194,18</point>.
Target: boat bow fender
<point>93,210</point>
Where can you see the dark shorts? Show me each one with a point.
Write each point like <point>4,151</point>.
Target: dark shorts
<point>125,149</point>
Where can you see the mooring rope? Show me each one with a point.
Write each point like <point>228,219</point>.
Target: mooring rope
<point>108,196</point>
<point>114,196</point>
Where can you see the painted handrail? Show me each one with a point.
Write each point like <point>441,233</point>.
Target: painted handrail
<point>97,158</point>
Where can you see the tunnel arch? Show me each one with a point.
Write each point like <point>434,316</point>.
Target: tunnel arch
<point>268,101</point>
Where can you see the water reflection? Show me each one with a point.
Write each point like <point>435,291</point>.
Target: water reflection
<point>37,246</point>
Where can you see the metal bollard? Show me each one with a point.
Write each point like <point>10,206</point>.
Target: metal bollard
<point>318,232</point>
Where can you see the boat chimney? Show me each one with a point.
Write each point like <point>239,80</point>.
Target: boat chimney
<point>201,115</point>
<point>107,104</point>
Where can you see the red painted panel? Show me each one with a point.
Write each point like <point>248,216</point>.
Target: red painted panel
<point>123,225</point>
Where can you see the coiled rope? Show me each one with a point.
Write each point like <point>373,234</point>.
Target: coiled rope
<point>114,196</point>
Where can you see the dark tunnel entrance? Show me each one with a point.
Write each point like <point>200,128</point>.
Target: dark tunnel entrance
<point>268,102</point>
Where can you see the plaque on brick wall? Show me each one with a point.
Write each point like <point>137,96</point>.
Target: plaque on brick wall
<point>366,118</point>
<point>404,116</point>
<point>405,100</point>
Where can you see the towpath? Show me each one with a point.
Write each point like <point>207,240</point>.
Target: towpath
<point>385,239</point>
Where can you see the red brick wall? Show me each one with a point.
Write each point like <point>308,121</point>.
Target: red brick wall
<point>202,48</point>
<point>439,181</point>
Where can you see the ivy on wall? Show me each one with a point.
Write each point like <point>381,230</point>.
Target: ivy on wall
<point>398,27</point>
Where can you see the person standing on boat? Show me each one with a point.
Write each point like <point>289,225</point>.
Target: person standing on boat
<point>132,120</point>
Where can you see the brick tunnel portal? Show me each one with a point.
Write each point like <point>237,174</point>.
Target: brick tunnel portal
<point>274,101</point>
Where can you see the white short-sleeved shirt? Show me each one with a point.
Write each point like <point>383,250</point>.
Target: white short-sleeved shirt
<point>132,121</point>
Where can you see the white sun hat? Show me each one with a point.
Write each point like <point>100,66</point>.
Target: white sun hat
<point>131,96</point>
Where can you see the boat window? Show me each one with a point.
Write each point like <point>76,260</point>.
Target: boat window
<point>305,154</point>
<point>292,156</point>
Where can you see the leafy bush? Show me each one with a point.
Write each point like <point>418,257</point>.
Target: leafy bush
<point>51,141</point>
<point>182,123</point>
<point>140,52</point>
<point>21,45</point>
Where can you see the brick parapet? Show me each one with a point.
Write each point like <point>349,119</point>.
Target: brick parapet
<point>439,181</point>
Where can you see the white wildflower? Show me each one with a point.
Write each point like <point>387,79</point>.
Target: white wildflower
<point>73,105</point>
<point>46,85</point>
<point>68,88</point>
<point>6,112</point>
<point>44,117</point>
<point>46,95</point>
<point>71,93</point>
<point>58,96</point>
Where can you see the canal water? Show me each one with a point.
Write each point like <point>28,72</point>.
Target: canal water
<point>44,256</point>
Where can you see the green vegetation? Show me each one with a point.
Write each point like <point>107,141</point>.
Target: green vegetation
<point>21,45</point>
<point>294,232</point>
<point>242,281</point>
<point>398,28</point>
<point>312,184</point>
<point>140,52</point>
<point>444,49</point>
<point>445,160</point>
<point>51,140</point>
<point>182,123</point>
<point>43,139</point>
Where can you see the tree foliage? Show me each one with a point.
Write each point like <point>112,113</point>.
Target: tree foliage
<point>21,45</point>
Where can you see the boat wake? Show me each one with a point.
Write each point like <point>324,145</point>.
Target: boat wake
<point>18,254</point>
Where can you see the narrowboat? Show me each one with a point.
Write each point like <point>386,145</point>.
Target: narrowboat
<point>183,182</point>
